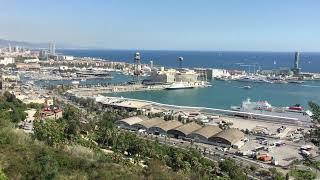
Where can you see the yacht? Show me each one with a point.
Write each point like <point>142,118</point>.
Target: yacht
<point>257,79</point>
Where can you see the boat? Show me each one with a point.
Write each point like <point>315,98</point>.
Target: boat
<point>277,80</point>
<point>246,87</point>
<point>75,82</point>
<point>179,85</point>
<point>256,79</point>
<point>295,82</point>
<point>264,110</point>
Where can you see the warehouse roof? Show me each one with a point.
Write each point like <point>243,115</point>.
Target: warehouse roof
<point>232,135</point>
<point>187,128</point>
<point>168,125</point>
<point>207,131</point>
<point>132,120</point>
<point>146,124</point>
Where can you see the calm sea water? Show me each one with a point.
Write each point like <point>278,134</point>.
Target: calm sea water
<point>222,94</point>
<point>309,62</point>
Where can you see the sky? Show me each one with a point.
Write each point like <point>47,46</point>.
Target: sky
<point>244,25</point>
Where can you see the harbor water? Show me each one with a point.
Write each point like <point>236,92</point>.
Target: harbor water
<point>222,94</point>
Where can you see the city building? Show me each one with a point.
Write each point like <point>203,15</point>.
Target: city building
<point>7,60</point>
<point>28,66</point>
<point>43,54</point>
<point>65,58</point>
<point>165,76</point>
<point>10,77</point>
<point>35,60</point>
<point>51,113</point>
<point>52,49</point>
<point>296,69</point>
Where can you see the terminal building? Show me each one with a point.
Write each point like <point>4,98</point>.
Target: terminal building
<point>167,76</point>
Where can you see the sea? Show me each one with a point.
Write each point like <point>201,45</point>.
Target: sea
<point>222,94</point>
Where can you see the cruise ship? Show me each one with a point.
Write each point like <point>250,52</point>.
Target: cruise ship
<point>179,85</point>
<point>264,110</point>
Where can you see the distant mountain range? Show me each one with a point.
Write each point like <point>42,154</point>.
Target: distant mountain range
<point>32,45</point>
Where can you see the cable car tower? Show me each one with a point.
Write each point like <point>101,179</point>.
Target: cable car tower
<point>180,59</point>
<point>137,67</point>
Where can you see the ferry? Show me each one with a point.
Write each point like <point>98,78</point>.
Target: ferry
<point>179,85</point>
<point>264,110</point>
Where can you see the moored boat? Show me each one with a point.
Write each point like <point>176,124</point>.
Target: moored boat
<point>179,85</point>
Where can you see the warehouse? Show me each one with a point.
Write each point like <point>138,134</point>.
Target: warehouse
<point>163,128</point>
<point>129,122</point>
<point>202,135</point>
<point>184,130</point>
<point>227,138</point>
<point>146,124</point>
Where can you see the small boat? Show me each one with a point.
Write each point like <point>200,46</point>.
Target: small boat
<point>295,82</point>
<point>75,82</point>
<point>246,87</point>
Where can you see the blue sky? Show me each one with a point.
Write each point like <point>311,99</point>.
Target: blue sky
<point>271,25</point>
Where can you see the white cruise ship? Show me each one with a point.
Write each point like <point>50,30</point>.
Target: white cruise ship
<point>262,109</point>
<point>179,85</point>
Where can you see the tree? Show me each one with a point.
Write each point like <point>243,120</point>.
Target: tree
<point>232,169</point>
<point>51,132</point>
<point>315,108</point>
<point>2,176</point>
<point>315,132</point>
<point>303,175</point>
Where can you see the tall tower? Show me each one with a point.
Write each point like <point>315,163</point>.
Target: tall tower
<point>137,67</point>
<point>52,49</point>
<point>296,70</point>
<point>9,48</point>
<point>151,64</point>
<point>296,60</point>
<point>180,59</point>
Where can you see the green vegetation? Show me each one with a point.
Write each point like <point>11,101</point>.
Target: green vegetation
<point>315,108</point>
<point>302,175</point>
<point>68,149</point>
<point>11,108</point>
<point>2,175</point>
